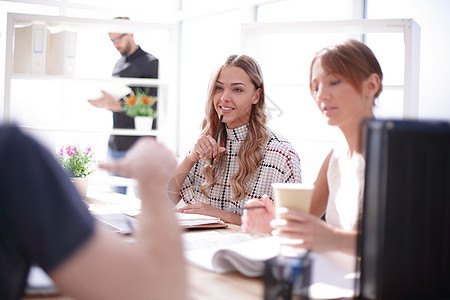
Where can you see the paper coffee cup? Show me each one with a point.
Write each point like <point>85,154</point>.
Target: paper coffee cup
<point>293,195</point>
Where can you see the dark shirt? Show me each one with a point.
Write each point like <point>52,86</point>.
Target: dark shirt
<point>42,218</point>
<point>140,64</point>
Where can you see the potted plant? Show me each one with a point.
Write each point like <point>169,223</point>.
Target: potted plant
<point>78,164</point>
<point>140,107</point>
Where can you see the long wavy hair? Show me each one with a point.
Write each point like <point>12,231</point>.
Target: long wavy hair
<point>251,152</point>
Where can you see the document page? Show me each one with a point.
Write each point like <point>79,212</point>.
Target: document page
<point>195,219</point>
<point>333,273</point>
<point>224,253</point>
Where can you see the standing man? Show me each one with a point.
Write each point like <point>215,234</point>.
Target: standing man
<point>136,63</point>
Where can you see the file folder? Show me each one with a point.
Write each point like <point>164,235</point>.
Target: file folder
<point>30,49</point>
<point>62,53</point>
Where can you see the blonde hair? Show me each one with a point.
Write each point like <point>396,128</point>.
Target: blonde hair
<point>251,153</point>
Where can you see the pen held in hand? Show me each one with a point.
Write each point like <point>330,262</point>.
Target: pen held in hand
<point>217,136</point>
<point>253,207</point>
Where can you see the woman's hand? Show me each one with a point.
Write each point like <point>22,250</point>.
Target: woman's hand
<point>205,148</point>
<point>200,208</point>
<point>258,219</point>
<point>308,231</point>
<point>209,210</point>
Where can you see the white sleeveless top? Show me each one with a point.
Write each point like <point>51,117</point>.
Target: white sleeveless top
<point>346,187</point>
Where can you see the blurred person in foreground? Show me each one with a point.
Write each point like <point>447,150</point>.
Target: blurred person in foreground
<point>43,221</point>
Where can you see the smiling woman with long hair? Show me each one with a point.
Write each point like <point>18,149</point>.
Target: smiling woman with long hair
<point>247,156</point>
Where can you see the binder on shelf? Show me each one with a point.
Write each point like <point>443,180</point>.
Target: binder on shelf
<point>62,53</point>
<point>30,49</point>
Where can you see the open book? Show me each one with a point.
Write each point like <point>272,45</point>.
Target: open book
<point>223,253</point>
<point>332,275</point>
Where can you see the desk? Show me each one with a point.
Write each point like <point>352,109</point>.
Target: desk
<point>206,285</point>
<point>203,284</point>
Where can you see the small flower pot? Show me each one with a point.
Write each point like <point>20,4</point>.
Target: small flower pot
<point>143,123</point>
<point>81,185</point>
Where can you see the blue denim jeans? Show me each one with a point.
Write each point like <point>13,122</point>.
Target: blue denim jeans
<point>113,155</point>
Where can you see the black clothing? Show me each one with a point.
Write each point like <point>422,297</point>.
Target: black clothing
<point>140,64</point>
<point>42,218</point>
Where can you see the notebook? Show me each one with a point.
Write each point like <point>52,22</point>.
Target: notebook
<point>125,224</point>
<point>197,221</point>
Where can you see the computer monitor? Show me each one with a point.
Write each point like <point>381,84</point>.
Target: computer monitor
<point>404,240</point>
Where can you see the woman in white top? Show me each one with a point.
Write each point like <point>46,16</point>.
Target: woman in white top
<point>345,79</point>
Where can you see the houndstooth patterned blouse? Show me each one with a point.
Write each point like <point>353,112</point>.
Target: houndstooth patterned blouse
<point>280,163</point>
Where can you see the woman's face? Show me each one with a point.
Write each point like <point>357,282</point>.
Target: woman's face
<point>337,99</point>
<point>234,95</point>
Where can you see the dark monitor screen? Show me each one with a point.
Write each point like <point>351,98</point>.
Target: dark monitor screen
<point>404,240</point>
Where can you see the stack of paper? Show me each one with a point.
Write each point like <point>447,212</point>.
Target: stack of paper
<point>125,224</point>
<point>194,221</point>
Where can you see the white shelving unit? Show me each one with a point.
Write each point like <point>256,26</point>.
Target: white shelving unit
<point>168,66</point>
